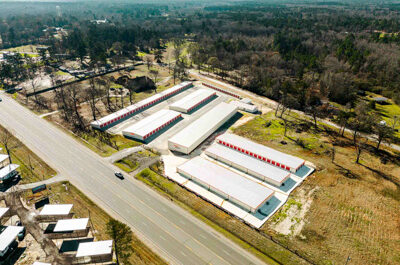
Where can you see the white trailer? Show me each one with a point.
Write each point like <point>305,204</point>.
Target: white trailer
<point>193,100</point>
<point>248,164</point>
<point>8,172</point>
<point>152,124</point>
<point>195,133</point>
<point>244,106</point>
<point>227,184</point>
<point>261,152</point>
<point>123,114</point>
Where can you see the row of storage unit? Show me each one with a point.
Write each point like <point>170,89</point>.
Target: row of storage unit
<point>222,90</point>
<point>195,133</point>
<point>244,106</point>
<point>248,164</point>
<point>152,124</point>
<point>193,100</point>
<point>7,239</point>
<point>112,119</point>
<point>261,152</point>
<point>8,172</point>
<point>241,191</point>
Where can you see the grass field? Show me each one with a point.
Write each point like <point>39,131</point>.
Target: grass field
<point>354,209</point>
<point>84,207</point>
<point>32,168</point>
<point>92,140</point>
<point>132,162</point>
<point>231,227</point>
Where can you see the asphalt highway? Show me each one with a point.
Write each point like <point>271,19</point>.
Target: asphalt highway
<point>172,232</point>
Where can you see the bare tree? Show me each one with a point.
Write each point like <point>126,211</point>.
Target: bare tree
<point>154,73</point>
<point>149,61</point>
<point>384,133</point>
<point>93,94</point>
<point>74,98</point>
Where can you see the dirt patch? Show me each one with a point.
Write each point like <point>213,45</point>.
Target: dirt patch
<point>291,219</point>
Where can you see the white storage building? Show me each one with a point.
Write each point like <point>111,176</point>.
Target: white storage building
<point>261,152</point>
<point>193,100</point>
<point>222,90</point>
<point>110,120</point>
<point>152,124</point>
<point>3,211</point>
<point>248,164</point>
<point>8,236</point>
<point>248,194</point>
<point>244,106</point>
<point>54,212</point>
<point>69,228</point>
<point>195,133</point>
<point>3,160</point>
<point>99,251</point>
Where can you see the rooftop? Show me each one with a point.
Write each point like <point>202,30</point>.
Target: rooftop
<point>94,248</point>
<point>8,236</point>
<point>191,133</point>
<point>3,211</point>
<point>71,225</point>
<point>224,180</point>
<point>192,99</point>
<point>273,173</point>
<point>7,170</point>
<point>56,209</point>
<point>259,149</point>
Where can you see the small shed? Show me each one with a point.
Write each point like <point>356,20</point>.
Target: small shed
<point>55,212</point>
<point>95,252</point>
<point>68,228</point>
<point>8,172</point>
<point>4,213</point>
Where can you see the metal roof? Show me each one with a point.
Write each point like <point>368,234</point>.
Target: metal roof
<point>197,129</point>
<point>40,263</point>
<point>262,150</point>
<point>56,209</point>
<point>236,186</point>
<point>268,171</point>
<point>71,225</point>
<point>3,157</point>
<point>152,122</point>
<point>192,99</point>
<point>139,104</point>
<point>8,236</point>
<point>3,211</point>
<point>245,106</point>
<point>7,170</point>
<point>94,248</point>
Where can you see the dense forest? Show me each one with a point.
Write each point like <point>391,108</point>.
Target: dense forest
<point>301,54</point>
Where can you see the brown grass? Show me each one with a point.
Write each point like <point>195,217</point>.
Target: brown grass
<point>32,168</point>
<point>231,227</point>
<point>84,207</point>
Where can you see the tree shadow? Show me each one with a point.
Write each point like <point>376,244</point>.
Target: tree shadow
<point>346,172</point>
<point>383,175</point>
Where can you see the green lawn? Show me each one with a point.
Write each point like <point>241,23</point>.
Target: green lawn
<point>32,168</point>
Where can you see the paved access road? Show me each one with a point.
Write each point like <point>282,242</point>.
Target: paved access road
<point>172,232</point>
